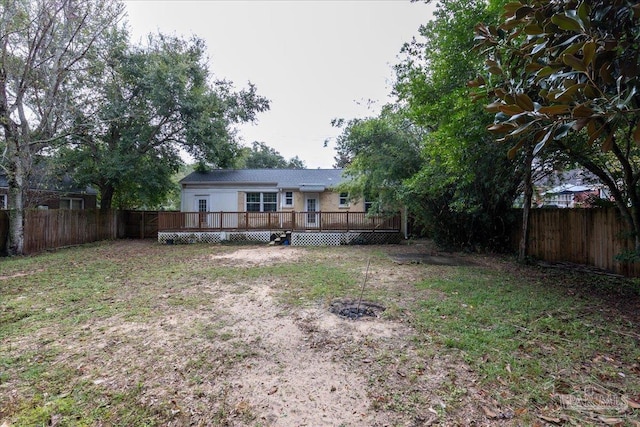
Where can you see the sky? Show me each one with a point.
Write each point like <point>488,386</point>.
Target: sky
<point>314,60</point>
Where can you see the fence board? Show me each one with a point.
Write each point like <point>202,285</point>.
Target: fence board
<point>582,236</point>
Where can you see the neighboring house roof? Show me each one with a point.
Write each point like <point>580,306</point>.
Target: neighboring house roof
<point>65,185</point>
<point>308,180</point>
<point>568,189</point>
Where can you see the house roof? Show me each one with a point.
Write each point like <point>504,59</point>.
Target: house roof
<point>303,179</point>
<point>64,184</point>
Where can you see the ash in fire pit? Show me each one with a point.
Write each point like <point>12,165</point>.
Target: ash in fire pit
<point>354,311</point>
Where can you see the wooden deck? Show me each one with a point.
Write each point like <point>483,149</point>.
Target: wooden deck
<point>291,221</point>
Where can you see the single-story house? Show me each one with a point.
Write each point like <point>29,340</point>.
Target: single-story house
<point>52,194</point>
<point>266,190</point>
<point>267,201</point>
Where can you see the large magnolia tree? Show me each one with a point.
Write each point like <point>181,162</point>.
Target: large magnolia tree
<point>45,48</point>
<point>565,76</point>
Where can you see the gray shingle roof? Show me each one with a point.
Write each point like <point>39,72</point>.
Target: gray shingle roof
<point>281,178</point>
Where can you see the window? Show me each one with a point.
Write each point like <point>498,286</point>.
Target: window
<point>253,202</point>
<point>288,198</point>
<point>3,201</point>
<point>262,202</point>
<point>71,203</point>
<point>202,205</point>
<point>344,200</point>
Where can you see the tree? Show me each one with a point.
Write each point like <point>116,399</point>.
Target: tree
<point>45,48</point>
<point>151,103</point>
<point>379,154</point>
<point>564,76</point>
<point>261,156</point>
<point>465,185</point>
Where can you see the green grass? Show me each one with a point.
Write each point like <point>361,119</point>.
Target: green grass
<point>525,335</point>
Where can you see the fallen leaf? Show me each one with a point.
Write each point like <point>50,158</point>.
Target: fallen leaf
<point>272,391</point>
<point>508,368</point>
<point>610,421</point>
<point>550,419</point>
<point>632,403</point>
<point>490,413</point>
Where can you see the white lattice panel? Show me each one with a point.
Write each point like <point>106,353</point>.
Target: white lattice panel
<point>297,238</point>
<point>249,236</point>
<point>315,239</point>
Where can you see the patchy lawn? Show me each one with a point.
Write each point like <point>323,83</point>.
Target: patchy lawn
<point>135,333</point>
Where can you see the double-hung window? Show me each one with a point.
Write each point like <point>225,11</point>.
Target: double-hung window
<point>3,201</point>
<point>288,199</point>
<point>262,202</point>
<point>344,200</point>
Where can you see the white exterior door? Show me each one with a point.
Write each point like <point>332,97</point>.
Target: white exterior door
<point>312,205</point>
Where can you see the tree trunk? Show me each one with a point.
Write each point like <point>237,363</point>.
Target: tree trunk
<point>526,207</point>
<point>106,197</point>
<point>16,214</point>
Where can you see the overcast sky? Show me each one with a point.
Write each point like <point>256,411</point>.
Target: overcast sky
<point>314,60</point>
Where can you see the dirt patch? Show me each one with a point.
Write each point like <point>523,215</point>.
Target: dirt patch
<point>262,256</point>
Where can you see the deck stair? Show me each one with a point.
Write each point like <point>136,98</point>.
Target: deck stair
<point>284,238</point>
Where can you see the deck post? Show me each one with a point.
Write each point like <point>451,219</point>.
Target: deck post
<point>246,221</point>
<point>293,220</point>
<point>221,220</point>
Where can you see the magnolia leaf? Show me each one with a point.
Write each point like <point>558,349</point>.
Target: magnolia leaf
<point>512,7</point>
<point>495,70</point>
<point>582,111</point>
<point>521,129</point>
<point>540,145</point>
<point>511,109</point>
<point>499,128</point>
<point>523,11</point>
<point>553,110</point>
<point>566,23</point>
<point>567,94</point>
<point>574,62</point>
<point>589,51</point>
<point>605,73</point>
<point>539,47</point>
<point>544,72</point>
<point>494,107</point>
<point>532,67</point>
<point>583,14</point>
<point>591,92</point>
<point>636,133</point>
<point>533,30</point>
<point>524,101</point>
<point>563,130</point>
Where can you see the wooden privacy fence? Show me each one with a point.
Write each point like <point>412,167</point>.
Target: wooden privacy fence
<point>47,229</point>
<point>293,221</point>
<point>53,228</point>
<point>582,236</point>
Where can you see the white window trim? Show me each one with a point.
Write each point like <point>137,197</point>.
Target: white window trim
<point>340,197</point>
<point>262,202</point>
<point>284,199</point>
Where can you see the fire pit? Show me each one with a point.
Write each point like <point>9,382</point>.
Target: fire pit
<point>356,310</point>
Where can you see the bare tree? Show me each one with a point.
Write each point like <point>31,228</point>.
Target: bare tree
<point>45,47</point>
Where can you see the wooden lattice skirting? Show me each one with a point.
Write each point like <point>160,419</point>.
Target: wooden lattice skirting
<point>297,238</point>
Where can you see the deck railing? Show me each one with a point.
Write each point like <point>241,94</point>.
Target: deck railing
<point>294,221</point>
